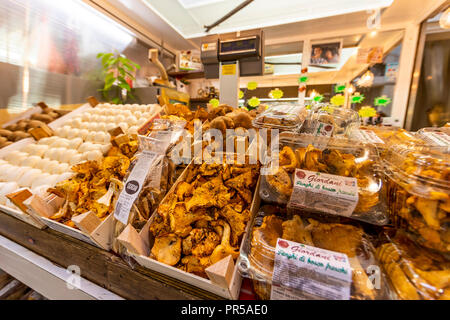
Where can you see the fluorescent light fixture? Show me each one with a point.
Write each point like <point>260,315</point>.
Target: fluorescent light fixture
<point>188,17</point>
<point>190,4</point>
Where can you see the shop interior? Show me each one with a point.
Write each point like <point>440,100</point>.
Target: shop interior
<point>99,97</point>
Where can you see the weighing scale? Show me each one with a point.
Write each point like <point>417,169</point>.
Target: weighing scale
<point>230,56</point>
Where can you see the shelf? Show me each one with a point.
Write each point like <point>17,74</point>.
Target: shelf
<point>187,74</point>
<point>48,279</point>
<point>200,100</point>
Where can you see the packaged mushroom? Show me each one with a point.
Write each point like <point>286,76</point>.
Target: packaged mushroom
<point>282,116</point>
<point>205,217</point>
<point>418,193</point>
<point>95,185</point>
<point>325,175</point>
<point>414,272</point>
<point>146,183</point>
<point>330,121</point>
<point>289,257</point>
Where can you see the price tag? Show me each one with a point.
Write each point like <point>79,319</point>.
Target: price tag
<point>324,192</point>
<point>303,272</point>
<point>133,185</point>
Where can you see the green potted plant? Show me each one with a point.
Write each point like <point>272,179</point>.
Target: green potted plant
<point>118,74</point>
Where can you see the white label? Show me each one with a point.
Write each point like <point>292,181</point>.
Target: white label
<point>436,138</point>
<point>324,192</point>
<point>367,136</point>
<point>323,129</point>
<point>212,46</point>
<point>133,186</point>
<point>303,272</point>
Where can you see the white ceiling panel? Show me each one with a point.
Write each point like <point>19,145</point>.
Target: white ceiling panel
<point>189,17</point>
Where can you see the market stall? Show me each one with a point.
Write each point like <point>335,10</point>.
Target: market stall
<point>315,191</point>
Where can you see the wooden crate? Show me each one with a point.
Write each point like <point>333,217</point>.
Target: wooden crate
<point>138,247</point>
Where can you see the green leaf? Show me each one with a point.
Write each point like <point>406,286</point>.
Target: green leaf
<point>100,55</point>
<point>125,86</point>
<point>116,101</point>
<point>106,58</point>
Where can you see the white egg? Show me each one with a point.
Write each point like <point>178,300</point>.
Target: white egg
<point>53,167</point>
<point>91,136</point>
<point>28,177</point>
<point>16,173</point>
<point>85,147</point>
<point>15,157</point>
<point>76,159</point>
<point>52,179</point>
<point>124,126</point>
<point>110,126</point>
<point>50,154</point>
<point>75,143</point>
<point>58,131</point>
<point>60,143</point>
<point>30,161</point>
<point>127,106</point>
<point>94,155</point>
<point>111,119</point>
<point>84,133</point>
<point>64,176</point>
<point>141,122</point>
<point>41,180</point>
<point>41,191</point>
<point>131,120</point>
<point>85,125</point>
<point>73,133</point>
<point>101,126</point>
<point>95,118</point>
<point>86,116</point>
<point>44,141</point>
<point>61,153</point>
<point>4,170</point>
<point>65,131</point>
<point>76,123</point>
<point>127,113</point>
<point>42,164</point>
<point>137,114</point>
<point>66,156</point>
<point>147,115</point>
<point>7,188</point>
<point>107,105</point>
<point>63,167</point>
<point>120,118</point>
<point>99,137</point>
<point>132,130</point>
<point>105,148</point>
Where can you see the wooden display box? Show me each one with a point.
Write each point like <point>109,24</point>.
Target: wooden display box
<point>91,230</point>
<point>224,277</point>
<point>24,214</point>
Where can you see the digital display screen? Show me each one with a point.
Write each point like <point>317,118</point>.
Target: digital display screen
<point>238,45</point>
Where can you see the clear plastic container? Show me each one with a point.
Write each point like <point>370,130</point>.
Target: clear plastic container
<point>439,137</point>
<point>258,252</point>
<point>335,156</point>
<point>413,272</point>
<point>417,192</point>
<point>282,116</point>
<point>331,121</point>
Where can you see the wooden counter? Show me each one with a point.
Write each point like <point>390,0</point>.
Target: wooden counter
<point>98,266</point>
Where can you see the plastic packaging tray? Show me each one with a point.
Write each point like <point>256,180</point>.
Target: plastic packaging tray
<point>272,222</point>
<point>331,121</point>
<point>418,193</point>
<point>282,116</point>
<point>414,273</point>
<point>344,158</point>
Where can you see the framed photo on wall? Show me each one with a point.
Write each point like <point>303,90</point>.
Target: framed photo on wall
<point>328,53</point>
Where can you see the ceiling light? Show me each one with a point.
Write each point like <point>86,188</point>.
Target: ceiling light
<point>444,21</point>
<point>373,34</point>
<point>366,79</point>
